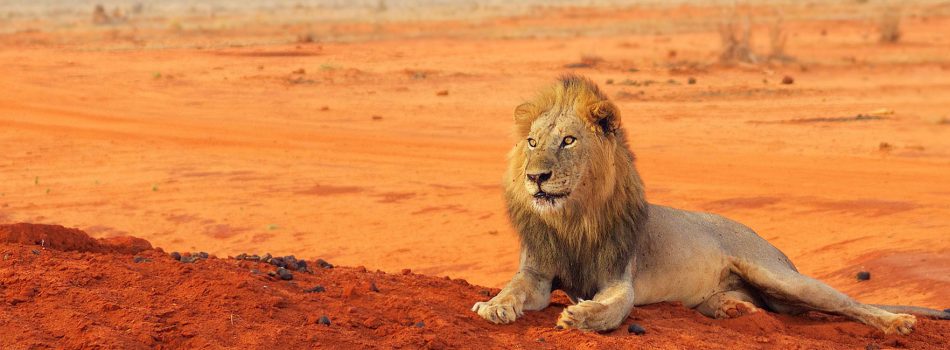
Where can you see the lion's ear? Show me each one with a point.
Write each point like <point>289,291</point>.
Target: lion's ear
<point>604,116</point>
<point>525,114</point>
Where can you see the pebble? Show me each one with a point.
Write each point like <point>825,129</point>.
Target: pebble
<point>324,264</point>
<point>788,80</point>
<point>284,274</point>
<point>241,256</point>
<point>864,276</point>
<point>420,324</point>
<point>175,255</point>
<point>139,259</point>
<point>203,255</point>
<point>253,258</point>
<point>406,271</point>
<point>189,259</point>
<point>315,289</point>
<point>291,261</point>
<point>373,287</point>
<point>279,262</point>
<point>636,329</point>
<point>266,258</point>
<point>302,265</point>
<point>691,81</point>
<point>324,320</point>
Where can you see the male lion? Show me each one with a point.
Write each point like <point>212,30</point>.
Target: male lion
<point>578,204</point>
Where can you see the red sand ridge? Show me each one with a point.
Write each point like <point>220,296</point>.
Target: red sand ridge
<point>62,289</point>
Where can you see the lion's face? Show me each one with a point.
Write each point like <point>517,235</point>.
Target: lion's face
<point>557,159</point>
<point>563,161</point>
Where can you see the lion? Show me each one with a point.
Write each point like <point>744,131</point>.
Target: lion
<point>586,228</point>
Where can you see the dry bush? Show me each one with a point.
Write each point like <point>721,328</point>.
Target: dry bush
<point>736,38</point>
<point>777,40</point>
<point>889,26</point>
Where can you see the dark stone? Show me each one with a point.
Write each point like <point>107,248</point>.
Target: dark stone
<point>788,80</point>
<point>140,259</point>
<point>420,324</point>
<point>284,274</point>
<point>279,262</point>
<point>636,329</point>
<point>324,264</point>
<point>291,262</point>
<point>691,81</point>
<point>175,255</point>
<point>324,320</point>
<point>373,287</point>
<point>302,265</point>
<point>241,256</point>
<point>266,258</point>
<point>37,252</point>
<point>315,289</point>
<point>189,259</point>
<point>252,258</point>
<point>864,276</point>
<point>203,255</point>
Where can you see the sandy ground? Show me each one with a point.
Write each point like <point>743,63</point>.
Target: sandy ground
<point>382,143</point>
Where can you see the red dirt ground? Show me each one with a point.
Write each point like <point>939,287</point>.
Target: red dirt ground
<point>112,302</point>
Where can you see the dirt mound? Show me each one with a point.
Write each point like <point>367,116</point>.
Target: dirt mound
<point>68,239</point>
<point>78,292</point>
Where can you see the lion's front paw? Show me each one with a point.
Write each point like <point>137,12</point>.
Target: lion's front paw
<point>586,315</point>
<point>498,310</point>
<point>902,324</point>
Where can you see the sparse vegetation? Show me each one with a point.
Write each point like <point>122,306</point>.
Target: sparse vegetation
<point>736,38</point>
<point>889,26</point>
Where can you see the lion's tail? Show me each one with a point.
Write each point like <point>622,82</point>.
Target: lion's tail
<point>916,310</point>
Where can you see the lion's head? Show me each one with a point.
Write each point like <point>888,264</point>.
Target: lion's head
<point>571,154</point>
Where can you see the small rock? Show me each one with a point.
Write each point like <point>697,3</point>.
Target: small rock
<point>420,324</point>
<point>266,258</point>
<point>373,287</point>
<point>315,289</point>
<point>442,93</point>
<point>864,276</point>
<point>177,256</point>
<point>324,264</point>
<point>377,117</point>
<point>324,320</point>
<point>485,292</point>
<point>291,262</point>
<point>203,255</point>
<point>302,265</point>
<point>141,259</point>
<point>636,329</point>
<point>252,258</point>
<point>284,274</point>
<point>406,271</point>
<point>788,80</point>
<point>37,252</point>
<point>189,259</point>
<point>691,81</point>
<point>241,256</point>
<point>279,262</point>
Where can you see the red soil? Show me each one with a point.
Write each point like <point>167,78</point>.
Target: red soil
<point>77,292</point>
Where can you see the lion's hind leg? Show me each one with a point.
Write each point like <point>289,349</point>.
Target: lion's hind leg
<point>728,304</point>
<point>789,287</point>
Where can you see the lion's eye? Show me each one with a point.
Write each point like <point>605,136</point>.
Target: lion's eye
<point>532,142</point>
<point>569,140</point>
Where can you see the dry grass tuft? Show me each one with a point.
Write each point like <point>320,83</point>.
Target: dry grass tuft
<point>735,35</point>
<point>889,26</point>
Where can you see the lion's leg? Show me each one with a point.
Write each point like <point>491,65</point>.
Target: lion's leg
<point>728,304</point>
<point>527,290</point>
<point>794,289</point>
<point>605,312</point>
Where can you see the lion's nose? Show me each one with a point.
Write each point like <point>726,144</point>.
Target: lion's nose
<point>539,177</point>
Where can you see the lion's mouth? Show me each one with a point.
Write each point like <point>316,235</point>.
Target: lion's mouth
<point>542,197</point>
